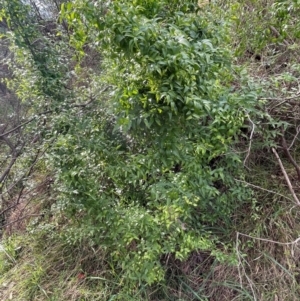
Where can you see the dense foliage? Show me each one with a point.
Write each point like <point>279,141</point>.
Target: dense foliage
<point>154,175</point>
<point>149,125</point>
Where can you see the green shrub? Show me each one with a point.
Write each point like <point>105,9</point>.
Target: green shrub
<point>150,171</point>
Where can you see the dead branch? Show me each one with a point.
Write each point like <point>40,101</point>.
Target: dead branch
<point>286,177</point>
<point>16,154</point>
<point>288,154</point>
<point>295,137</point>
<point>9,144</point>
<point>8,168</point>
<point>17,127</point>
<point>277,35</point>
<point>20,218</point>
<point>51,111</point>
<point>28,173</point>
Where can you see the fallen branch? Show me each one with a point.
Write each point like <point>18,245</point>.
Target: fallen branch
<point>286,177</point>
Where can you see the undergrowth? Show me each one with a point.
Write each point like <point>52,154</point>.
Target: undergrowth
<point>43,265</point>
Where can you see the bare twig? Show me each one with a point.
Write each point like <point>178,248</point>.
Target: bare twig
<point>297,133</point>
<point>9,144</point>
<point>294,242</point>
<point>12,162</point>
<point>91,100</point>
<point>51,111</point>
<point>250,144</point>
<point>17,127</point>
<point>23,176</point>
<point>19,219</point>
<point>240,258</point>
<point>8,168</point>
<point>286,177</point>
<point>6,253</point>
<point>290,100</point>
<point>264,189</point>
<point>288,154</point>
<point>281,99</point>
<point>277,34</point>
<point>28,173</point>
<point>244,270</point>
